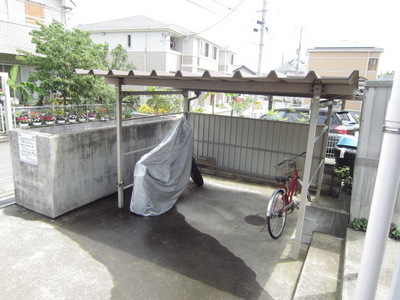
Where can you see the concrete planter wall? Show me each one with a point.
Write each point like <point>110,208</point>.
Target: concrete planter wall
<point>77,166</point>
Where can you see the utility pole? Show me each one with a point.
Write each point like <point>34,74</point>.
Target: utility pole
<point>298,51</point>
<point>262,29</point>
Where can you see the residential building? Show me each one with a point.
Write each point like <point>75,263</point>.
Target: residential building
<point>292,68</point>
<point>341,61</point>
<point>17,19</point>
<point>153,45</point>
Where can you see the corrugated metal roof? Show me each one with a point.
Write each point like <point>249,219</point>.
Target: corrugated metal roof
<point>272,84</point>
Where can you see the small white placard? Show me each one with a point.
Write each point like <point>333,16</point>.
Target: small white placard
<point>27,149</point>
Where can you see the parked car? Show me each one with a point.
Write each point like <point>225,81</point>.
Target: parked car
<point>342,123</point>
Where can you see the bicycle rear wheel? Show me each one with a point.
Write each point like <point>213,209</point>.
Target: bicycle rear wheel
<point>195,174</point>
<point>276,216</point>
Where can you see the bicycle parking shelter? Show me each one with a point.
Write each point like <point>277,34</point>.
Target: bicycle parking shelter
<point>321,90</point>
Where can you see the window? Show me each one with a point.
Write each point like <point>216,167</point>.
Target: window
<point>129,41</point>
<point>232,59</point>
<point>34,12</point>
<point>372,64</point>
<point>205,49</point>
<point>215,52</point>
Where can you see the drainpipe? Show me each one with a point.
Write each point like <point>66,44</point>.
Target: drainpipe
<point>120,171</point>
<point>383,201</point>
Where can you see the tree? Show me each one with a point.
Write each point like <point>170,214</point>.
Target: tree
<point>58,52</point>
<point>119,59</point>
<point>162,103</point>
<point>23,87</point>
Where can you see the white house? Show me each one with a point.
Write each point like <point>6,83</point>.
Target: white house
<point>165,47</point>
<point>17,19</point>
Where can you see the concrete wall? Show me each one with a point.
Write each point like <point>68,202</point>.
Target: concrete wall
<point>77,167</point>
<point>369,148</point>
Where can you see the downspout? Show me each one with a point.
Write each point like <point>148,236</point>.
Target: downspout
<point>381,213</point>
<point>120,184</point>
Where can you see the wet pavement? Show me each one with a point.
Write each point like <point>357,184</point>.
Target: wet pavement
<point>210,245</point>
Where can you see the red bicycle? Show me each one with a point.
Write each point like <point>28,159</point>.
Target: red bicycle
<point>283,200</point>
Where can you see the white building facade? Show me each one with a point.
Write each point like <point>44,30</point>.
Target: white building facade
<point>152,45</point>
<point>18,18</point>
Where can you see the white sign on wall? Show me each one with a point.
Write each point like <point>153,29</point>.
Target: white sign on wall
<point>27,148</point>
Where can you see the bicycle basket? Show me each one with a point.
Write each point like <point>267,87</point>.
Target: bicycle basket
<point>299,160</point>
<point>286,168</point>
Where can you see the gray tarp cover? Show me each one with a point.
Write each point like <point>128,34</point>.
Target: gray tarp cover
<point>161,175</point>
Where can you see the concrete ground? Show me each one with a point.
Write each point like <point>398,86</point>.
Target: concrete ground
<point>209,246</point>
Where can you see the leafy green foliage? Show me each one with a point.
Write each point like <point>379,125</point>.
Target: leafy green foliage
<point>394,232</point>
<point>58,52</point>
<point>239,106</point>
<point>344,174</point>
<point>164,103</point>
<point>23,87</point>
<point>360,224</point>
<point>119,59</point>
<point>197,109</point>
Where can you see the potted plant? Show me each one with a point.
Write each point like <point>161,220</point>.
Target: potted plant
<point>72,118</point>
<point>91,116</point>
<point>49,120</point>
<point>23,121</point>
<point>102,113</point>
<point>36,118</point>
<point>59,115</point>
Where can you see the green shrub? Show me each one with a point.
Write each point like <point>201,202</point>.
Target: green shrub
<point>344,174</point>
<point>394,232</point>
<point>360,224</point>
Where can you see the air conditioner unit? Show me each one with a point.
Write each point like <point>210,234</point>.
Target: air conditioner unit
<point>67,4</point>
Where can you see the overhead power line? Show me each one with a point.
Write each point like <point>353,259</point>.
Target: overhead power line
<point>215,24</point>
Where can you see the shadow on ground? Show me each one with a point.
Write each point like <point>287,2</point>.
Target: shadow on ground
<point>148,255</point>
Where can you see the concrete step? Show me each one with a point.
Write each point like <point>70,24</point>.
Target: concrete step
<point>4,137</point>
<point>321,276</point>
<point>352,261</point>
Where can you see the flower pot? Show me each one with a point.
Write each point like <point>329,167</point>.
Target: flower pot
<point>37,123</point>
<point>82,120</point>
<point>72,120</point>
<point>61,121</point>
<point>91,118</point>
<point>23,125</point>
<point>49,122</point>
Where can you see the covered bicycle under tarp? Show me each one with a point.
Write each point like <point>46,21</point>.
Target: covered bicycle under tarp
<point>322,91</point>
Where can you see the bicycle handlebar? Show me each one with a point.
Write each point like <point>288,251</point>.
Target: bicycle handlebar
<point>290,159</point>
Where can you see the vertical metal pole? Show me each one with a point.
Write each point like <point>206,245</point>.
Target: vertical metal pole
<point>307,171</point>
<point>7,102</point>
<point>324,145</point>
<point>120,184</point>
<point>186,103</point>
<point>383,200</point>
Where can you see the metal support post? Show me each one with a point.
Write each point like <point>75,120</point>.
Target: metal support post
<point>120,184</point>
<point>324,145</point>
<point>307,170</point>
<point>7,102</point>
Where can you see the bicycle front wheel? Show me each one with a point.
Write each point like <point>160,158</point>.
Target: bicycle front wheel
<point>276,216</point>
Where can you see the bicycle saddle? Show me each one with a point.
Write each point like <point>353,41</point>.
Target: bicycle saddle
<point>281,178</point>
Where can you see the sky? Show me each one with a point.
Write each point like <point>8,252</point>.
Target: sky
<point>290,23</point>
